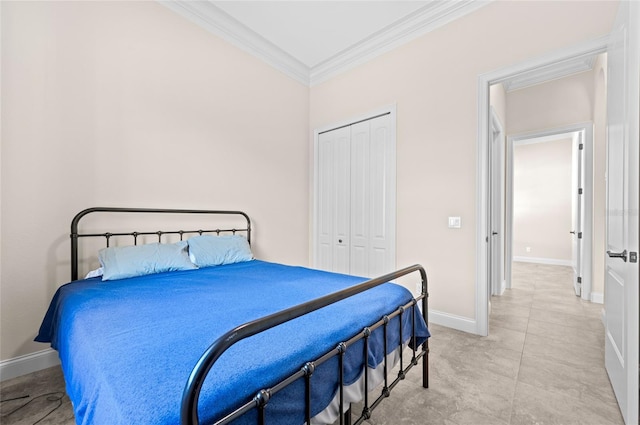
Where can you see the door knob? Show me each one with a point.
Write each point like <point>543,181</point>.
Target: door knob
<point>622,255</point>
<point>494,233</point>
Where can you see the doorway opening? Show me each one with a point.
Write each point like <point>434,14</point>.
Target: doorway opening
<point>560,220</point>
<point>621,126</point>
<point>540,69</point>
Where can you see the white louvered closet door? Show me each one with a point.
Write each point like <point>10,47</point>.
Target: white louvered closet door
<point>356,199</point>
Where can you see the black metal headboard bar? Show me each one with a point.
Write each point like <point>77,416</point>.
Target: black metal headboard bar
<point>76,220</point>
<point>159,233</point>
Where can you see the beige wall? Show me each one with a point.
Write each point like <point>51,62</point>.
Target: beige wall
<point>542,200</point>
<point>553,104</point>
<point>129,104</point>
<point>433,80</point>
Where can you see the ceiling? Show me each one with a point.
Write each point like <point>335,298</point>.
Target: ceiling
<point>312,41</point>
<point>315,31</point>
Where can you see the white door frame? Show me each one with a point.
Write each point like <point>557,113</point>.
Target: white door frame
<point>587,240</point>
<point>539,65</point>
<point>389,109</point>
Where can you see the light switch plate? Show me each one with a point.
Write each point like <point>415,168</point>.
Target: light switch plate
<point>455,223</point>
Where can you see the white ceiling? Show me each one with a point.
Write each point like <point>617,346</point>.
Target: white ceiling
<point>315,31</point>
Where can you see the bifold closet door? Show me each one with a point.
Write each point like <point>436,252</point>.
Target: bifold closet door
<point>356,214</point>
<point>372,204</point>
<point>334,167</point>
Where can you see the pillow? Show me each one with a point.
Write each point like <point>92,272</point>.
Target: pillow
<point>130,261</point>
<point>94,273</point>
<point>208,250</point>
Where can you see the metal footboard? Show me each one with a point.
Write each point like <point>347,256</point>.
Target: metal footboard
<point>190,398</point>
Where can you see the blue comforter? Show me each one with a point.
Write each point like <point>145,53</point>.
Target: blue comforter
<point>128,346</point>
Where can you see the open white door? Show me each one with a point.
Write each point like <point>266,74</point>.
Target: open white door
<point>577,210</point>
<point>496,198</point>
<point>623,164</point>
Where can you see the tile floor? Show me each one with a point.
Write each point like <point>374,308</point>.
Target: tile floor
<point>542,364</point>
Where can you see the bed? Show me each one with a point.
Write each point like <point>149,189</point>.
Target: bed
<point>244,341</point>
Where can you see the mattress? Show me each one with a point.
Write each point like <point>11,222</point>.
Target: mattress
<point>128,346</point>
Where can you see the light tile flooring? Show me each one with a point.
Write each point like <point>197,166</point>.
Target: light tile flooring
<point>542,364</point>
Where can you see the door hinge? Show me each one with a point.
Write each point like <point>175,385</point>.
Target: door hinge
<point>580,191</point>
<point>579,235</point>
<point>581,146</point>
<point>580,279</point>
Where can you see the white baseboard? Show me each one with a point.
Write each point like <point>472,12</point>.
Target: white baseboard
<point>28,363</point>
<point>452,321</point>
<point>539,260</point>
<point>597,297</point>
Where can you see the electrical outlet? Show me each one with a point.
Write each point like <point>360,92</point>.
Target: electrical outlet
<point>528,249</point>
<point>455,222</point>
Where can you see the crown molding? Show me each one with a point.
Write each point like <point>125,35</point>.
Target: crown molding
<point>548,64</point>
<point>210,17</point>
<point>554,72</point>
<point>428,18</point>
<point>215,20</point>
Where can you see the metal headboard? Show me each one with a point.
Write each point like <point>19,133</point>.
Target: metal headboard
<point>75,235</point>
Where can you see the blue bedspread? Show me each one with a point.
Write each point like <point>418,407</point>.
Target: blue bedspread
<point>128,346</point>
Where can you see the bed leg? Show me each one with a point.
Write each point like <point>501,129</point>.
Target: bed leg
<point>425,316</point>
<point>347,416</point>
<point>425,365</point>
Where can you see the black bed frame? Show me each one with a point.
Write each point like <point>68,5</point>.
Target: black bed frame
<point>189,408</point>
